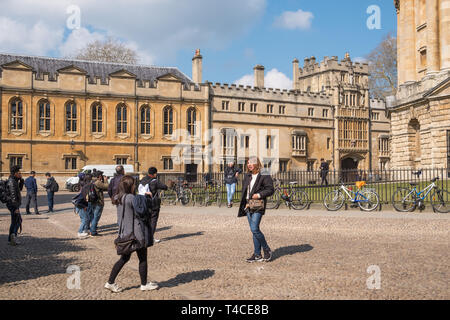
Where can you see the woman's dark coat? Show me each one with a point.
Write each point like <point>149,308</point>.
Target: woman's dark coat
<point>263,186</point>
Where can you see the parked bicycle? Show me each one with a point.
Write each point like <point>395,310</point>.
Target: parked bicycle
<point>407,200</point>
<point>207,194</point>
<point>366,199</point>
<point>177,192</point>
<point>294,197</point>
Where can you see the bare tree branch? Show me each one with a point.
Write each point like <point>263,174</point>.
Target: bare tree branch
<point>383,68</point>
<point>109,50</point>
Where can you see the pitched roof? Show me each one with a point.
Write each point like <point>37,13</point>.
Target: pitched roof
<point>94,69</point>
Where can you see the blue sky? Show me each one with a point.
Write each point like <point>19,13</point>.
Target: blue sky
<point>233,36</point>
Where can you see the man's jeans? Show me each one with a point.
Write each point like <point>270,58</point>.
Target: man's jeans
<point>50,195</point>
<point>231,189</point>
<point>16,221</point>
<point>31,198</point>
<point>259,241</point>
<point>95,214</point>
<point>84,217</point>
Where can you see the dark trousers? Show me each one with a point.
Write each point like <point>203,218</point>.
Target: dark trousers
<point>31,199</point>
<point>16,221</point>
<point>142,256</point>
<point>324,179</point>
<point>154,215</point>
<point>50,195</point>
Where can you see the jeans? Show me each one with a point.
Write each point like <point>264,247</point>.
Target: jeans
<point>84,217</point>
<point>259,241</point>
<point>95,214</point>
<point>231,188</point>
<point>31,199</point>
<point>16,221</point>
<point>50,195</point>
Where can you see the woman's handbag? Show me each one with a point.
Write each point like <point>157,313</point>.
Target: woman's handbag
<point>128,244</point>
<point>254,205</point>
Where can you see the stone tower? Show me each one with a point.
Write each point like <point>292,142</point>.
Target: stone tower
<point>347,81</point>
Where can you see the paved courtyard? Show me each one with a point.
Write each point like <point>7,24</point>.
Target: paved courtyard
<point>317,255</point>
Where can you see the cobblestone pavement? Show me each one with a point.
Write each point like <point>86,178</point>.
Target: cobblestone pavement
<point>317,255</point>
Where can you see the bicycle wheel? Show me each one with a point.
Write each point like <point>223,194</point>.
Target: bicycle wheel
<point>440,201</point>
<point>168,197</point>
<point>368,200</point>
<point>334,200</point>
<point>273,202</point>
<point>299,200</point>
<point>185,196</point>
<point>404,200</point>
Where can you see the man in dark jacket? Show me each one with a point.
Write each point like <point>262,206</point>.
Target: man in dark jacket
<point>114,183</point>
<point>231,174</point>
<point>324,168</point>
<point>14,186</point>
<point>31,185</point>
<point>149,186</point>
<point>256,186</point>
<point>50,193</point>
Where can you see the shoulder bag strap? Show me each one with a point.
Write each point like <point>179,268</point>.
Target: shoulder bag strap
<point>123,213</point>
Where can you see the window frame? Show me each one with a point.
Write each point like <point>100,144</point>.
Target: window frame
<point>145,121</point>
<point>168,123</point>
<point>95,120</point>
<point>46,120</point>
<point>15,118</point>
<point>71,120</point>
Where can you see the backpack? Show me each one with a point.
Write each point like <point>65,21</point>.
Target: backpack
<point>4,194</point>
<point>92,194</point>
<point>54,187</point>
<point>79,201</point>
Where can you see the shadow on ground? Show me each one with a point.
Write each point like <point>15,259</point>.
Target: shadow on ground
<point>185,235</point>
<point>35,258</point>
<point>290,250</point>
<point>187,277</point>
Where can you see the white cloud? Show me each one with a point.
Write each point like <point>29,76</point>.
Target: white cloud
<point>294,20</point>
<point>273,79</point>
<point>37,38</point>
<point>360,60</point>
<point>77,40</point>
<point>158,28</point>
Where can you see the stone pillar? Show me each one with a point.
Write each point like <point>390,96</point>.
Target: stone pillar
<point>259,76</point>
<point>295,74</point>
<point>407,54</point>
<point>433,56</point>
<point>399,48</point>
<point>444,33</point>
<point>197,67</point>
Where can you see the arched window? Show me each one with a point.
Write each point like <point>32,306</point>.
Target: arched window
<point>17,115</point>
<point>192,121</point>
<point>71,116</point>
<point>121,112</point>
<point>97,118</point>
<point>168,120</point>
<point>44,115</point>
<point>145,120</point>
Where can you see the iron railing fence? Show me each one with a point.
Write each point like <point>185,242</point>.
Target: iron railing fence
<point>384,182</point>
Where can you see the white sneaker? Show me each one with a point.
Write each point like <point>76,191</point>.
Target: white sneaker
<point>156,240</point>
<point>113,287</point>
<point>83,235</point>
<point>149,286</point>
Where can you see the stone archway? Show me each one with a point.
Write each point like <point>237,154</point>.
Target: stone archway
<point>349,168</point>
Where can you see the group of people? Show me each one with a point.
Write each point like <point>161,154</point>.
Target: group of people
<point>13,197</point>
<point>125,194</point>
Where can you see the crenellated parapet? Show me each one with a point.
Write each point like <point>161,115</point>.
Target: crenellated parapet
<point>376,103</point>
<point>310,65</point>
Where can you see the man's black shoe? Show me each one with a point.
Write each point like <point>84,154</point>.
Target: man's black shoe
<point>254,258</point>
<point>267,255</point>
<point>37,213</point>
<point>95,235</point>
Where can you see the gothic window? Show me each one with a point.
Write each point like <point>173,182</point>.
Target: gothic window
<point>192,121</point>
<point>71,116</point>
<point>121,118</point>
<point>97,118</point>
<point>145,120</point>
<point>44,115</point>
<point>168,120</point>
<point>16,114</point>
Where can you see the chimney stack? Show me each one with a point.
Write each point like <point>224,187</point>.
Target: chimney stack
<point>259,76</point>
<point>295,74</point>
<point>197,67</point>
